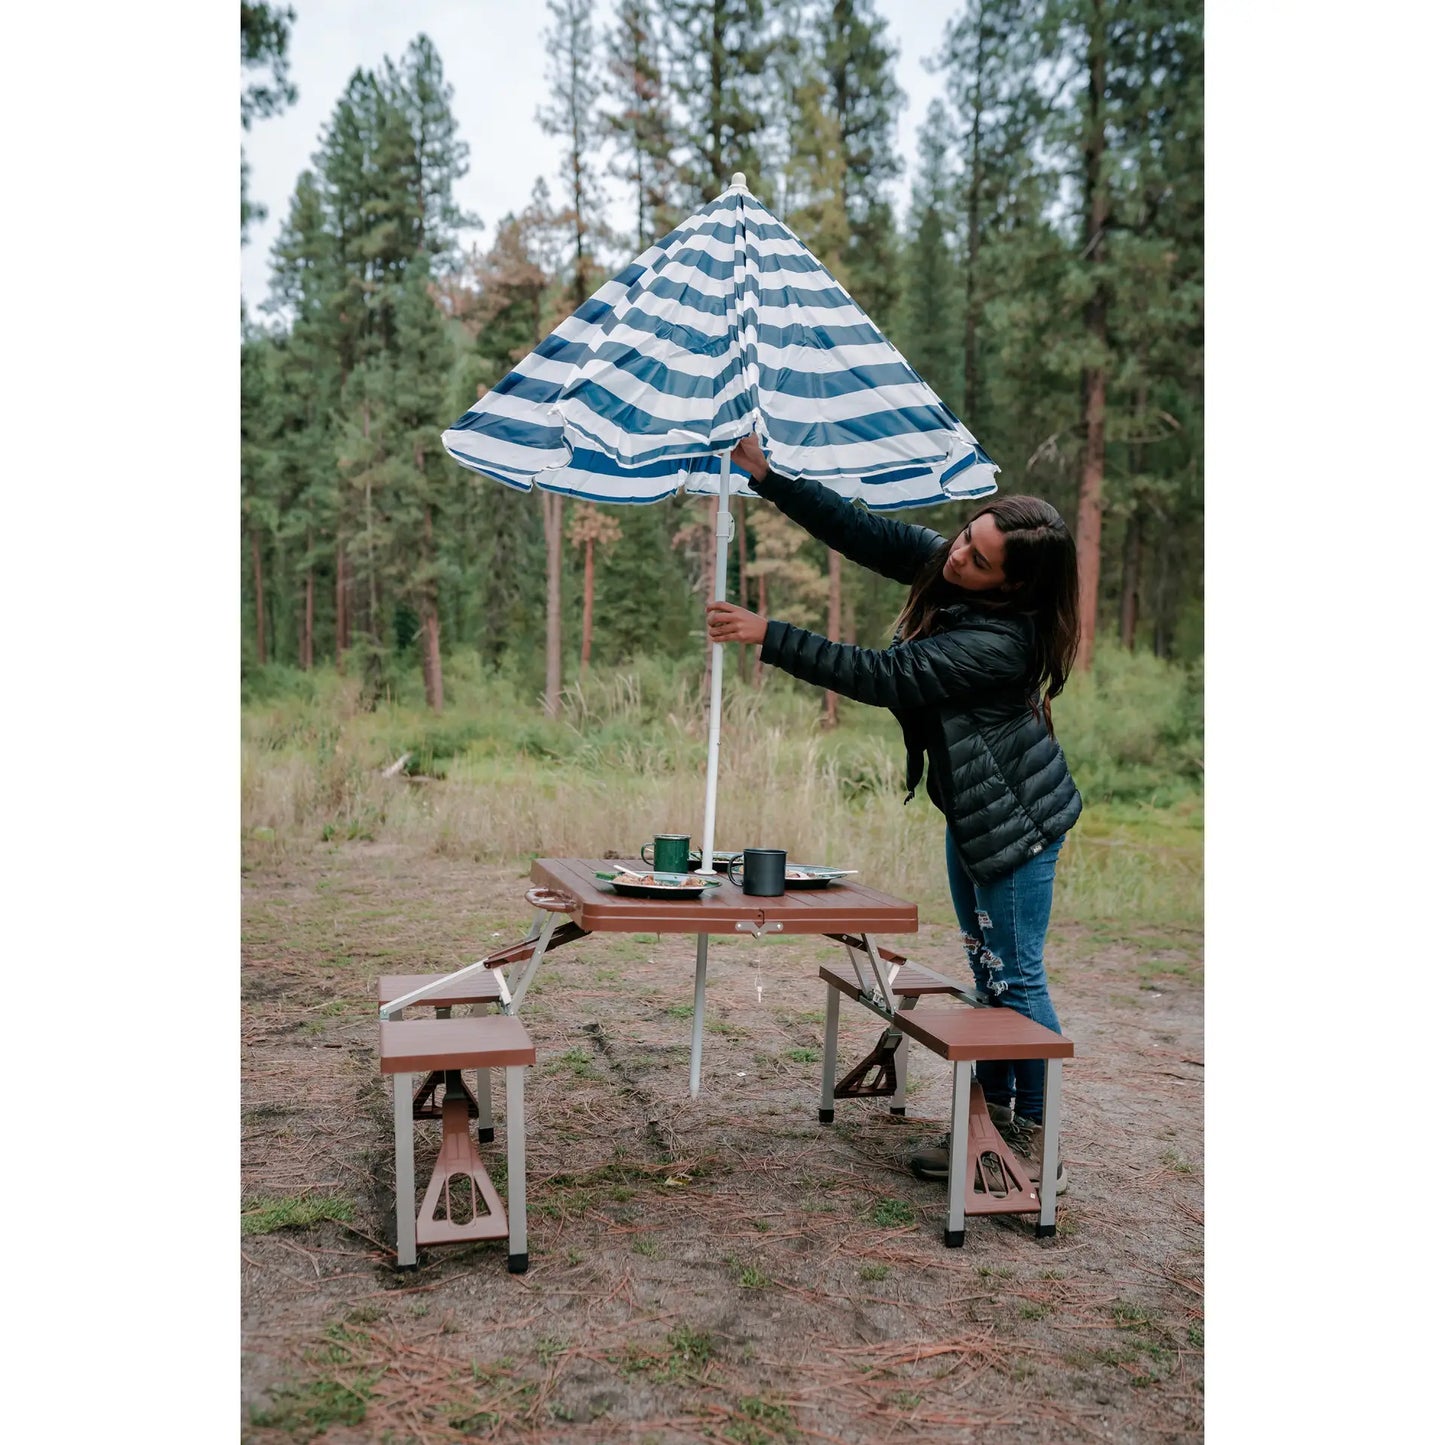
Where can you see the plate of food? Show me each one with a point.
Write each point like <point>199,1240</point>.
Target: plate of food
<point>805,875</point>
<point>657,885</point>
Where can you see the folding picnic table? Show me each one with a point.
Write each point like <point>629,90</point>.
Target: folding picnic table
<point>846,910</point>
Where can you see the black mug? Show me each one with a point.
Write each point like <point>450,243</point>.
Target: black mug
<point>763,871</point>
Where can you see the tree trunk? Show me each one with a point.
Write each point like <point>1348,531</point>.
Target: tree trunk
<point>343,622</point>
<point>587,576</point>
<point>1161,597</point>
<point>260,600</point>
<point>835,628</point>
<point>1133,565</point>
<point>373,605</point>
<point>552,529</point>
<point>715,102</point>
<point>742,577</point>
<point>308,626</point>
<point>1134,534</point>
<point>1096,318</point>
<point>431,645</point>
<point>431,658</point>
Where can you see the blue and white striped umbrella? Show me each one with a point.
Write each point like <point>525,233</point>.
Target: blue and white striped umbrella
<point>727,327</point>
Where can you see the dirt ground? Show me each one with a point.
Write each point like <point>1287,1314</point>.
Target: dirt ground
<point>724,1268</point>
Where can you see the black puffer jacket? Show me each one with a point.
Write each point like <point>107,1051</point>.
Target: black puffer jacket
<point>994,770</point>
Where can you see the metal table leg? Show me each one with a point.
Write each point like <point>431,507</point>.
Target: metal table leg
<point>699,998</point>
<point>957,1154</point>
<point>830,1058</point>
<point>405,1172</point>
<point>899,1104</point>
<point>516,1172</point>
<point>486,1125</point>
<point>1049,1174</point>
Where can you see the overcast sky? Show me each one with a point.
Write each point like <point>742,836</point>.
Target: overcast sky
<point>492,54</point>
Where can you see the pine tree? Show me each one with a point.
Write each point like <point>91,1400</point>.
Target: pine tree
<point>817,175</point>
<point>590,527</point>
<point>434,158</point>
<point>258,502</point>
<point>862,97</point>
<point>309,379</point>
<point>367,365</point>
<point>641,124</point>
<point>572,114</point>
<point>929,299</point>
<point>1111,131</point>
<point>426,481</point>
<point>719,50</point>
<point>265,37</point>
<point>991,58</point>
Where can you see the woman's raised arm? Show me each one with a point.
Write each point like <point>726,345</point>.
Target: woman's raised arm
<point>893,549</point>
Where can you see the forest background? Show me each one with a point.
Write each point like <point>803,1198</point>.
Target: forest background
<point>1045,277</point>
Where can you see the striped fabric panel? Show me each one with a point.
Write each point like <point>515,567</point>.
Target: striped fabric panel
<point>726,327</point>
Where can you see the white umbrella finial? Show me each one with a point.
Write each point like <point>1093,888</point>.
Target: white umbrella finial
<point>739,179</point>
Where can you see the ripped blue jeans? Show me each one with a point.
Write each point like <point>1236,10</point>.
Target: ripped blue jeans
<point>1003,925</point>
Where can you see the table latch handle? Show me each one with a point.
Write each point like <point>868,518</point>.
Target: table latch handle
<point>551,900</point>
<point>757,929</point>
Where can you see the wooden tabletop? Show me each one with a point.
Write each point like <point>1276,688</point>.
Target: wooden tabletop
<point>845,906</point>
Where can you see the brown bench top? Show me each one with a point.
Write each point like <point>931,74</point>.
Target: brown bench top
<point>968,1033</point>
<point>417,1046</point>
<point>841,907</point>
<point>481,987</point>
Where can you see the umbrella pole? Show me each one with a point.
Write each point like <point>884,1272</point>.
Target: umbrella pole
<point>714,724</point>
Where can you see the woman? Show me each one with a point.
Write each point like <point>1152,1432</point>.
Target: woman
<point>985,641</point>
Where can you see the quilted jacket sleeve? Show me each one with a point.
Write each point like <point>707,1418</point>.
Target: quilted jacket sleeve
<point>894,549</point>
<point>931,670</point>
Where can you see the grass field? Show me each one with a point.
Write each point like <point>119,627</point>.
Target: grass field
<point>492,780</point>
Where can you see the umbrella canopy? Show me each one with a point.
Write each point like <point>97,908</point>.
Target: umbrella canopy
<point>727,327</point>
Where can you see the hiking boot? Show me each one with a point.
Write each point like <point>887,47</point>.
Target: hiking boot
<point>1025,1138</point>
<point>931,1162</point>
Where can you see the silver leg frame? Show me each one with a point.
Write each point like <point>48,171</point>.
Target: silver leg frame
<point>957,1154</point>
<point>830,1058</point>
<point>516,1171</point>
<point>486,1125</point>
<point>539,935</point>
<point>900,1062</point>
<point>405,1172</point>
<point>1049,1174</point>
<point>699,998</point>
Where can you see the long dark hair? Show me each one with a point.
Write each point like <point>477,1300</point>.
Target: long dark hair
<point>1041,581</point>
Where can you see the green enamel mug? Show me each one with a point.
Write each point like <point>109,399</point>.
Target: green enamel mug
<point>669,852</point>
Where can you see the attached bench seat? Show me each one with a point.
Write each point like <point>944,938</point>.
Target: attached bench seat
<point>446,1046</point>
<point>483,992</point>
<point>962,1036</point>
<point>481,988</point>
<point>963,1033</point>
